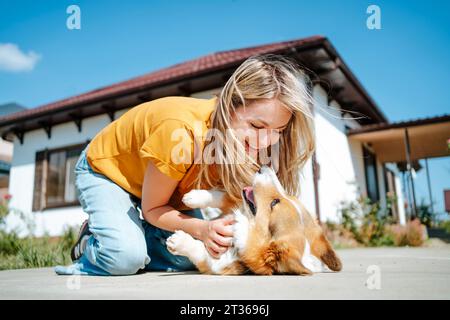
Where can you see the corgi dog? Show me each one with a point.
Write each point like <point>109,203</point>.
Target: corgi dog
<point>273,233</point>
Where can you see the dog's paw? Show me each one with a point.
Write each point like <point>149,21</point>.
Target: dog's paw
<point>178,243</point>
<point>198,199</point>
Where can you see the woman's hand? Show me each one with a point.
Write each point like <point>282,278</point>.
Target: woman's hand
<point>218,235</point>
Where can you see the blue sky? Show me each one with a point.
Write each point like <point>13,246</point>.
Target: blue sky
<point>404,66</point>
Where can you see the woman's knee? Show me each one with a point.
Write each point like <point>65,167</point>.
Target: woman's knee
<point>123,256</point>
<point>126,260</point>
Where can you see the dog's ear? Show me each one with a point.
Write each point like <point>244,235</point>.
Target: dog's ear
<point>323,250</point>
<point>320,247</point>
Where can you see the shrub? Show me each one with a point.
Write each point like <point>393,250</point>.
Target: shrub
<point>9,243</point>
<point>29,252</point>
<point>365,221</point>
<point>412,234</point>
<point>415,233</point>
<point>4,207</point>
<point>398,233</point>
<point>68,239</point>
<point>425,215</point>
<point>445,225</point>
<point>339,236</point>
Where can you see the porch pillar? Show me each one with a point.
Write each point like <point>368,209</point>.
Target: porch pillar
<point>411,181</point>
<point>316,176</point>
<point>430,194</point>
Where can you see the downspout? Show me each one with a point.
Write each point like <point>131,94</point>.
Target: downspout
<point>316,176</point>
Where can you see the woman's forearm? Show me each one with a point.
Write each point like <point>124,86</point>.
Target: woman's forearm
<point>167,218</point>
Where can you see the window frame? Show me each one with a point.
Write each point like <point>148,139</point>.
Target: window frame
<point>44,171</point>
<point>366,154</point>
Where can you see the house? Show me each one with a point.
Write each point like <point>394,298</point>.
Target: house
<point>6,149</point>
<point>405,143</point>
<point>48,139</point>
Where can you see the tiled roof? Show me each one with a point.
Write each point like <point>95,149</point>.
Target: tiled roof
<point>400,124</point>
<point>9,108</point>
<point>181,70</point>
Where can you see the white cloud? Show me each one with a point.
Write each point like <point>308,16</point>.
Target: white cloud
<point>13,59</point>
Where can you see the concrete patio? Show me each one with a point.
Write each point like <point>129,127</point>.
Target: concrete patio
<point>379,273</point>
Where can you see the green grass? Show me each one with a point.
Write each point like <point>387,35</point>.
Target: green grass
<point>445,225</point>
<point>20,253</point>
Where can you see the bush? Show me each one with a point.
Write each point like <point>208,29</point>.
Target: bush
<point>415,233</point>
<point>412,234</point>
<point>68,239</point>
<point>339,236</point>
<point>9,243</point>
<point>425,215</point>
<point>365,223</point>
<point>445,225</point>
<point>4,207</point>
<point>30,252</point>
<point>398,233</point>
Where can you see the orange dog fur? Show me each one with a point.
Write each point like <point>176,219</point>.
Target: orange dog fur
<point>273,233</point>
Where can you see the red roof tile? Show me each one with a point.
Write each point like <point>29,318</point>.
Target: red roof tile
<point>400,124</point>
<point>188,68</point>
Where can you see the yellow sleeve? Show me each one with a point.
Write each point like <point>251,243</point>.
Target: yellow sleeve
<point>170,146</point>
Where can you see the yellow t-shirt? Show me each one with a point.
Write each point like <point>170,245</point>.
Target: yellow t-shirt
<point>165,131</point>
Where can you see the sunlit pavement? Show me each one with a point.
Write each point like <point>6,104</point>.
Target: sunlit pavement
<point>378,273</point>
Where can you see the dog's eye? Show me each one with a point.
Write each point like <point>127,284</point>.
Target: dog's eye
<point>274,203</point>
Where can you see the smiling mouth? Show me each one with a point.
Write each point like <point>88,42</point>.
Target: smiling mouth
<point>249,198</point>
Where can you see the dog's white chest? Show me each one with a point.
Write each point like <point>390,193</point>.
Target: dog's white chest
<point>241,227</point>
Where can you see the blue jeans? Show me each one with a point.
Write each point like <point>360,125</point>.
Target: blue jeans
<point>121,242</point>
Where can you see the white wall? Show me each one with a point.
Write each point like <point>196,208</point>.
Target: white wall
<point>342,175</point>
<point>356,151</point>
<point>340,160</point>
<point>51,221</point>
<point>307,188</point>
<point>6,150</point>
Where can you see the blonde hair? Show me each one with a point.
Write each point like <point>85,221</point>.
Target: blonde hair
<point>262,77</point>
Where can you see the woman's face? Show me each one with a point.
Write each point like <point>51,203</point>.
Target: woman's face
<point>260,123</point>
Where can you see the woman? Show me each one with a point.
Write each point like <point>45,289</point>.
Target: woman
<point>133,174</point>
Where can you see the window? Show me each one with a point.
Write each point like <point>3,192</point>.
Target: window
<point>370,170</point>
<point>54,184</point>
<point>391,192</point>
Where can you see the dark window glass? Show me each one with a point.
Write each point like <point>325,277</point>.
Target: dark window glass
<point>61,189</point>
<point>370,168</point>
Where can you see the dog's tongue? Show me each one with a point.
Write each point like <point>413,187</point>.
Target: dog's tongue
<point>249,194</point>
